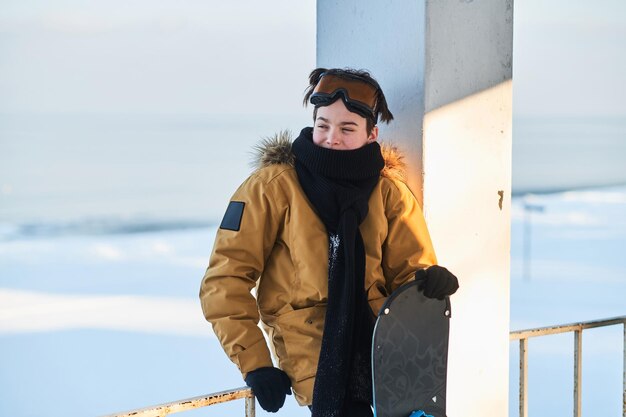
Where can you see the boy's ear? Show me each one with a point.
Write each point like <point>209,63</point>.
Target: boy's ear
<point>374,135</point>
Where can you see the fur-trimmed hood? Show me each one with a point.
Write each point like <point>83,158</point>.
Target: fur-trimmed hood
<point>277,150</point>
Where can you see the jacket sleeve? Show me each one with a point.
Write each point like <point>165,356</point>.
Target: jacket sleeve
<point>408,246</point>
<point>236,263</point>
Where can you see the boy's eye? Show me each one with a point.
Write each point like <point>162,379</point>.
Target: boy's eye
<point>348,130</point>
<point>322,126</point>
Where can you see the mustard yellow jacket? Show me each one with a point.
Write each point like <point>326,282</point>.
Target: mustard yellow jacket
<point>281,251</point>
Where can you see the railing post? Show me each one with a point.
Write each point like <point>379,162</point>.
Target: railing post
<point>250,406</point>
<point>523,377</point>
<point>624,373</point>
<point>578,359</point>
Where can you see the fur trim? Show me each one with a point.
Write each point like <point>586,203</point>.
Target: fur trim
<point>274,150</point>
<point>395,167</point>
<point>277,150</point>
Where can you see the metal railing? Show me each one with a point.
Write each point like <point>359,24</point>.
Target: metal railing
<point>577,328</point>
<point>521,335</point>
<point>192,403</point>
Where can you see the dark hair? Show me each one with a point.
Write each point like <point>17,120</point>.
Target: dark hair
<point>349,73</point>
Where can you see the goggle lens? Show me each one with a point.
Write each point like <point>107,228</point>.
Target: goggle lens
<point>358,96</point>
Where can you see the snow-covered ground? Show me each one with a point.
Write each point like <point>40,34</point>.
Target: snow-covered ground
<point>577,273</point>
<point>92,322</point>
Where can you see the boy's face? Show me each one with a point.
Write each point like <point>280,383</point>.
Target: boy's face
<point>338,128</point>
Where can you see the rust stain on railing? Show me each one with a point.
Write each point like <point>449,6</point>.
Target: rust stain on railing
<point>163,410</point>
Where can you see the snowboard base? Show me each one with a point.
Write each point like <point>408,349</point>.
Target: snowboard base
<point>410,354</point>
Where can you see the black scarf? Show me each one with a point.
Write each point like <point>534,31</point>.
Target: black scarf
<point>338,184</point>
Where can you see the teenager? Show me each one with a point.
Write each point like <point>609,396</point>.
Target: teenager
<point>322,232</point>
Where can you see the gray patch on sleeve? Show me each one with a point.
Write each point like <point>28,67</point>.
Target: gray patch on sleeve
<point>233,215</point>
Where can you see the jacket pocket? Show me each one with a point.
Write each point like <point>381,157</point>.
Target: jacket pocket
<point>301,332</point>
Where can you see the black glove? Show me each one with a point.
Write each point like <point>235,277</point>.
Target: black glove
<point>269,385</point>
<point>437,282</point>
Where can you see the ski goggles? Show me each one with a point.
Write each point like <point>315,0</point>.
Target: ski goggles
<point>358,96</point>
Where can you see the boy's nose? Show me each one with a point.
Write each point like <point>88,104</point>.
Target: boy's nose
<point>333,137</point>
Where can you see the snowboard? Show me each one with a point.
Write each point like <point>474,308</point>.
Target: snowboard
<point>410,354</point>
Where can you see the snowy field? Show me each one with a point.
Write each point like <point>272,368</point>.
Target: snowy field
<point>577,273</point>
<point>93,323</point>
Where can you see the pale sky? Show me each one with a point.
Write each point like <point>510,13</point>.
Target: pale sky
<point>155,56</point>
<point>569,57</point>
<point>238,57</point>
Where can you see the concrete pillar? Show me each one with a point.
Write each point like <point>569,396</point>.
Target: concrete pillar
<point>445,66</point>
